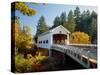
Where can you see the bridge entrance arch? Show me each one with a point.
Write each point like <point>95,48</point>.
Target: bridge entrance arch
<point>61,39</point>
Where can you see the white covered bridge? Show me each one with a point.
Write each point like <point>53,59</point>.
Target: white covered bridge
<point>57,39</point>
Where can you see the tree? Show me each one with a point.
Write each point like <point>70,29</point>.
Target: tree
<point>94,14</point>
<point>79,38</point>
<point>85,21</point>
<point>15,34</point>
<point>42,26</point>
<point>15,31</point>
<point>77,18</point>
<point>57,22</point>
<point>88,24</point>
<point>70,24</point>
<point>23,8</point>
<point>87,28</point>
<point>93,31</point>
<point>77,12</point>
<point>63,18</point>
<point>25,40</point>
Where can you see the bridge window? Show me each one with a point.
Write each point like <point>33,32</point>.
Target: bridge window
<point>46,41</point>
<point>60,32</point>
<point>41,42</point>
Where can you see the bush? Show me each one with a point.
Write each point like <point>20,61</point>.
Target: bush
<point>79,38</point>
<point>20,63</point>
<point>32,64</point>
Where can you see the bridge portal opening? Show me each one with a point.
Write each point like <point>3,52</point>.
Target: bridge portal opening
<point>59,39</point>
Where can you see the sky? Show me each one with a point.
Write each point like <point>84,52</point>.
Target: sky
<point>49,11</point>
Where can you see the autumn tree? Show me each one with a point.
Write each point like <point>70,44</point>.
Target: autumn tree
<point>15,31</point>
<point>23,8</point>
<point>15,34</point>
<point>79,38</point>
<point>25,40</point>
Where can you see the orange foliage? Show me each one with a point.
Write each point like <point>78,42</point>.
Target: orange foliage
<point>15,32</point>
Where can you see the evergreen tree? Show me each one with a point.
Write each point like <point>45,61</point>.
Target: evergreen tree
<point>57,22</point>
<point>77,12</point>
<point>93,32</point>
<point>85,22</point>
<point>94,14</point>
<point>77,18</point>
<point>42,26</point>
<point>63,18</point>
<point>88,24</point>
<point>70,24</point>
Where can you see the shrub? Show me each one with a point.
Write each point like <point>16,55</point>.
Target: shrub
<point>20,63</point>
<point>31,64</point>
<point>79,38</point>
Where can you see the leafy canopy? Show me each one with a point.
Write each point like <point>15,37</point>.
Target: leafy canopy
<point>23,8</point>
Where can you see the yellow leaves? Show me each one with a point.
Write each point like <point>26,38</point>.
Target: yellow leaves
<point>79,38</point>
<point>25,9</point>
<point>15,31</point>
<point>33,63</point>
<point>25,38</point>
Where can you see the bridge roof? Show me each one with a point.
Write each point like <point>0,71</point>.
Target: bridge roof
<point>50,31</point>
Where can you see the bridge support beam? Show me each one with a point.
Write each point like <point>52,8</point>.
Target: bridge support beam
<point>50,53</point>
<point>64,59</point>
<point>88,62</point>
